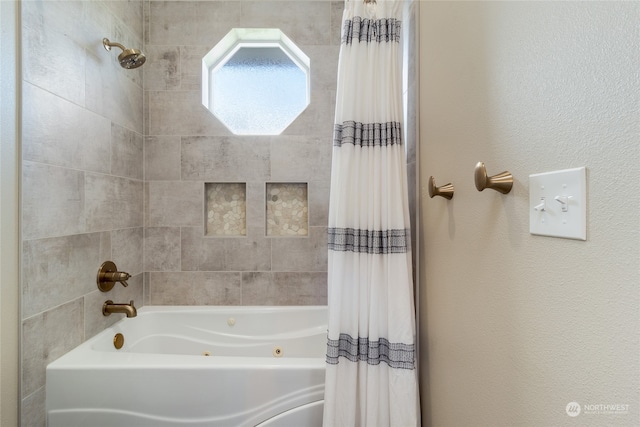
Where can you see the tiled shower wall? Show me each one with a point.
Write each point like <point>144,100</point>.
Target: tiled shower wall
<point>186,147</point>
<point>82,188</point>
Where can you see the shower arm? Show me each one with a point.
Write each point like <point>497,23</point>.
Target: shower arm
<point>108,44</point>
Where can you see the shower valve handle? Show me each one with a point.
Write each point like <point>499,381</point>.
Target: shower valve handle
<point>117,276</point>
<point>108,275</point>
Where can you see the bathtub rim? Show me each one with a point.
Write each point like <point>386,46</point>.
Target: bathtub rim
<point>84,356</point>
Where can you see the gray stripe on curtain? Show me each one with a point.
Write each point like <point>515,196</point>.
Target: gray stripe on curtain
<point>368,30</point>
<point>396,355</point>
<point>369,241</point>
<point>367,134</point>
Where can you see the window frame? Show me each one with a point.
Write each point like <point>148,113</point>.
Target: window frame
<point>239,38</point>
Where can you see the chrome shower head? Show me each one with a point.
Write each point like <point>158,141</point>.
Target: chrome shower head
<point>129,58</point>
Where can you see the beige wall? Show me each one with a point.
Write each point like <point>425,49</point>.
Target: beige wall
<point>9,317</point>
<point>515,326</point>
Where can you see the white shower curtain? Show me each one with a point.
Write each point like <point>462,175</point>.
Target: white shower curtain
<point>371,369</point>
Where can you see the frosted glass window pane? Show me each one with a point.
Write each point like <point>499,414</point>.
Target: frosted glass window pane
<point>259,90</point>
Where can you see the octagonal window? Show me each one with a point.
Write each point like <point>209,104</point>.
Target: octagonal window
<point>256,81</point>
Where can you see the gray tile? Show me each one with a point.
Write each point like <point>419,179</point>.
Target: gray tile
<point>192,23</point>
<point>63,17</point>
<point>59,269</point>
<point>162,158</point>
<point>146,15</point>
<point>146,292</point>
<point>200,253</point>
<point>324,65</point>
<point>145,111</point>
<point>252,253</point>
<point>292,17</point>
<point>337,9</point>
<point>300,159</point>
<point>317,119</point>
<point>53,201</point>
<point>319,193</point>
<point>113,202</point>
<point>411,189</point>
<point>95,24</point>
<point>410,27</point>
<point>112,93</point>
<point>181,113</point>
<point>126,152</point>
<point>58,132</point>
<point>127,245</point>
<point>175,204</point>
<point>191,65</point>
<point>84,23</point>
<point>300,253</point>
<point>411,186</point>
<point>129,12</point>
<point>105,246</point>
<point>284,288</point>
<point>191,82</point>
<point>33,409</point>
<point>258,289</point>
<point>256,206</point>
<point>54,63</point>
<point>46,337</point>
<point>309,288</point>
<point>162,249</point>
<point>195,288</point>
<point>225,159</point>
<point>171,22</point>
<point>214,19</point>
<point>162,69</point>
<point>411,124</point>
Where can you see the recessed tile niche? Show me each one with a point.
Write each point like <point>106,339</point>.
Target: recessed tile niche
<point>287,209</point>
<point>226,209</point>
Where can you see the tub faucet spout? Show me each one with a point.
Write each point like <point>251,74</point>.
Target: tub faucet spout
<point>109,307</point>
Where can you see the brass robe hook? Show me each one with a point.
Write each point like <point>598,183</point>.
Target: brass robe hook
<point>445,191</point>
<point>502,182</point>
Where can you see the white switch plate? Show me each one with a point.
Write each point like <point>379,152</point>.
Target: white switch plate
<point>558,203</point>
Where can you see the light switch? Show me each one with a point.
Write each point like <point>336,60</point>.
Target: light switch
<point>558,203</point>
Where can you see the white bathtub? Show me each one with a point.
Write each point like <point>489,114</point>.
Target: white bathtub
<point>196,366</point>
